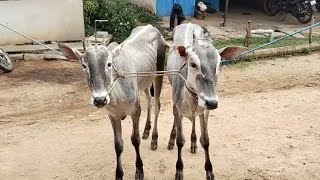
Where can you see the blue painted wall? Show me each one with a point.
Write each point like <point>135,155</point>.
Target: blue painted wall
<point>215,4</point>
<point>164,7</point>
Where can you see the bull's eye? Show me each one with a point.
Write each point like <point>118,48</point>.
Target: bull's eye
<point>84,66</point>
<point>193,65</point>
<point>109,65</point>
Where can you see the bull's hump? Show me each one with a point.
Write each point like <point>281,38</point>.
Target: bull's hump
<point>140,34</point>
<point>184,34</point>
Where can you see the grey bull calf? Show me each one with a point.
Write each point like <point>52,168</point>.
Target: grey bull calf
<point>196,94</point>
<point>143,51</point>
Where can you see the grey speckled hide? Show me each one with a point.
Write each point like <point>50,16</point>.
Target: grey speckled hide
<point>198,94</point>
<point>143,51</point>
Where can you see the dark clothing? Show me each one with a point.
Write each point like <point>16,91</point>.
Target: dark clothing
<point>176,11</point>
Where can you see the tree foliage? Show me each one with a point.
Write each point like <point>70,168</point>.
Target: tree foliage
<point>121,16</point>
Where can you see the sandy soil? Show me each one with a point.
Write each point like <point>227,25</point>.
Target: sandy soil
<point>237,22</point>
<point>267,126</point>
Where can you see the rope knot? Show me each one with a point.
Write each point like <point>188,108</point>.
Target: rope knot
<point>120,73</point>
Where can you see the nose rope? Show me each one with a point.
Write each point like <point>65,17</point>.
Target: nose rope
<point>112,86</point>
<point>193,93</point>
<point>122,74</point>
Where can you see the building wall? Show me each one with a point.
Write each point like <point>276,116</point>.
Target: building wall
<point>164,7</point>
<point>45,20</point>
<point>215,4</point>
<point>149,4</point>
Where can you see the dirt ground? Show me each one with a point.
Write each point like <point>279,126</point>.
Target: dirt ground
<point>237,22</point>
<point>267,125</point>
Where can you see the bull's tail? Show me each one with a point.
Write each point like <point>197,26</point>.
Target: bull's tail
<point>156,86</point>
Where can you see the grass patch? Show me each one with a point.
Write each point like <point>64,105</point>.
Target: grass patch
<point>240,64</point>
<point>258,41</point>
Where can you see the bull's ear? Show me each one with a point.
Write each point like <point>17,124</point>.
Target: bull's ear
<point>207,35</point>
<point>112,46</point>
<point>207,32</point>
<point>181,51</point>
<point>71,54</point>
<point>115,51</point>
<point>231,52</point>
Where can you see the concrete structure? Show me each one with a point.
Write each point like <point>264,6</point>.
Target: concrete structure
<point>43,20</point>
<point>163,7</point>
<point>148,4</point>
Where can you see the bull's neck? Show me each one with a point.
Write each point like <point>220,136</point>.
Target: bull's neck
<point>188,96</point>
<point>113,78</point>
<point>188,91</point>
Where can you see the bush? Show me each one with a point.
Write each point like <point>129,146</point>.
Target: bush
<point>90,8</point>
<point>122,17</point>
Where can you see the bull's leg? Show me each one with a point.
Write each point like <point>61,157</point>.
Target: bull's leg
<point>148,122</point>
<point>157,86</point>
<point>135,139</point>
<point>193,137</point>
<point>118,144</point>
<point>180,143</point>
<point>204,140</point>
<point>172,136</point>
<point>157,90</point>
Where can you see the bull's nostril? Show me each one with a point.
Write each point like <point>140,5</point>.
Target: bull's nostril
<point>100,101</point>
<point>212,104</point>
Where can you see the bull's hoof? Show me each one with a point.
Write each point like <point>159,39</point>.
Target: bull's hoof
<point>179,175</point>
<point>119,178</point>
<point>193,148</point>
<point>210,175</point>
<point>139,174</point>
<point>119,174</point>
<point>146,131</point>
<point>145,135</point>
<point>170,145</point>
<point>154,145</point>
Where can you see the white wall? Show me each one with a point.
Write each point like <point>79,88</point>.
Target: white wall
<point>149,4</point>
<point>45,20</point>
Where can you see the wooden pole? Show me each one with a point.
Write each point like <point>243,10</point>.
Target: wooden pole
<point>311,32</point>
<point>247,40</point>
<point>225,13</point>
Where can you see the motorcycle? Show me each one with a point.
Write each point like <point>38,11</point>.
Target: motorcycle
<point>303,10</point>
<point>5,61</point>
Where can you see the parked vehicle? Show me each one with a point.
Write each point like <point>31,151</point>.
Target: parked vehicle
<point>5,61</point>
<point>303,10</point>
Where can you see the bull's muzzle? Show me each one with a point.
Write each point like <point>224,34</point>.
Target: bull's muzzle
<point>100,101</point>
<point>211,104</point>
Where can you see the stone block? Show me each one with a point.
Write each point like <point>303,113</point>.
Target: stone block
<point>51,57</point>
<point>16,57</point>
<point>30,57</point>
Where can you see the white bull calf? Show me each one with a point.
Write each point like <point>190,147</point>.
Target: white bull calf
<point>196,94</point>
<point>143,51</point>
